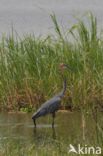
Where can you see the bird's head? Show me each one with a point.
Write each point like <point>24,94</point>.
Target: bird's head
<point>64,66</point>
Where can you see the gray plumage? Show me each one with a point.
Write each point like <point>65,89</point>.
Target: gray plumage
<point>50,106</point>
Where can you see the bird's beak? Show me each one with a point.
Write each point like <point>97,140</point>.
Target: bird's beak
<point>67,67</point>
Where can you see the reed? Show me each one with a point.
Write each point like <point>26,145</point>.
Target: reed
<point>29,67</point>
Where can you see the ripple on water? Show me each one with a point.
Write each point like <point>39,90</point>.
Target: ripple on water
<point>41,126</point>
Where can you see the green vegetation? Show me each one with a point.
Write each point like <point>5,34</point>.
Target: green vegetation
<point>50,147</point>
<point>29,67</point>
<point>53,148</point>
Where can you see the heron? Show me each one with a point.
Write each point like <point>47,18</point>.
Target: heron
<point>51,106</point>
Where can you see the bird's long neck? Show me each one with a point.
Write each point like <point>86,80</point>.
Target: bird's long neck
<point>64,88</point>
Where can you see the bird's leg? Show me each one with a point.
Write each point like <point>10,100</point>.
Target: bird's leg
<point>34,122</point>
<point>53,115</point>
<point>53,133</point>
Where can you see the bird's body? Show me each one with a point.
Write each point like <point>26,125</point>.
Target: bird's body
<point>50,106</point>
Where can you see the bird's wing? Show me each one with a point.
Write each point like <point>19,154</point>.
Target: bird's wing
<point>40,112</point>
<point>49,106</point>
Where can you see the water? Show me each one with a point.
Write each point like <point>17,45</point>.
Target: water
<point>18,129</point>
<point>66,124</point>
<point>13,125</point>
<point>27,16</point>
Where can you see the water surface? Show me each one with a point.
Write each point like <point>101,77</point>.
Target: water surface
<point>17,133</point>
<point>67,125</point>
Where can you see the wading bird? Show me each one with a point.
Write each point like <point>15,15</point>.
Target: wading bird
<point>52,105</point>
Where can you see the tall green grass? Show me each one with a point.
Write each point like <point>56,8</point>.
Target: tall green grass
<point>29,66</point>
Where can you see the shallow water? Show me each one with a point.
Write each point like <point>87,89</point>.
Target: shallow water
<point>27,16</point>
<point>67,125</point>
<point>17,133</point>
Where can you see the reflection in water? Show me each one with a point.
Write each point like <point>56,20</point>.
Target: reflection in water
<point>34,130</point>
<point>53,133</point>
<point>68,128</point>
<point>40,136</point>
<point>19,131</point>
